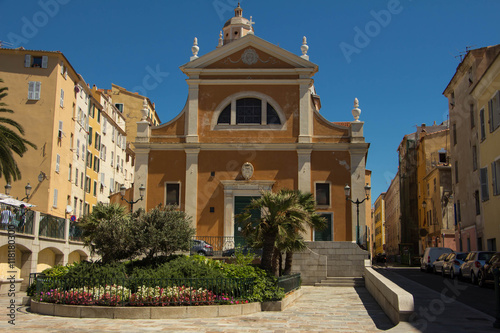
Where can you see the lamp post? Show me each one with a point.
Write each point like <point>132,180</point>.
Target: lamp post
<point>27,189</point>
<point>347,192</point>
<point>142,189</point>
<point>7,188</point>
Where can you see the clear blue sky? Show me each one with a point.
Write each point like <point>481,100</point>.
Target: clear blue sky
<point>398,71</point>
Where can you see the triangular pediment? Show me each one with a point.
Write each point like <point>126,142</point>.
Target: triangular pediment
<point>249,52</point>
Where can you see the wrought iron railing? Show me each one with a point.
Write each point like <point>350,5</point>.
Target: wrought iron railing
<point>51,226</point>
<point>220,244</point>
<point>289,282</point>
<point>20,224</point>
<point>75,232</point>
<point>139,292</point>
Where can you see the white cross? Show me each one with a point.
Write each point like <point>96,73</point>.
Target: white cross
<point>251,23</point>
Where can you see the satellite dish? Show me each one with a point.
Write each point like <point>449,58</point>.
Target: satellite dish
<point>69,209</point>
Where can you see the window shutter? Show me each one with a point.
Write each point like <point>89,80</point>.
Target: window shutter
<point>38,88</point>
<point>490,114</point>
<point>78,148</point>
<point>111,185</point>
<point>103,178</point>
<point>65,73</point>
<point>483,127</point>
<point>496,110</point>
<point>31,90</point>
<point>104,125</point>
<point>55,197</point>
<point>62,67</point>
<point>484,184</point>
<point>58,160</point>
<point>60,132</point>
<point>45,60</point>
<point>27,60</point>
<point>62,98</point>
<point>494,178</point>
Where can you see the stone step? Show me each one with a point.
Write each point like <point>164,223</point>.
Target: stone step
<point>341,282</point>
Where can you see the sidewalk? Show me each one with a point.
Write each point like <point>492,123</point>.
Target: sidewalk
<point>320,309</point>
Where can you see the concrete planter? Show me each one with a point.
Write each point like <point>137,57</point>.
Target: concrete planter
<point>144,312</point>
<point>284,303</point>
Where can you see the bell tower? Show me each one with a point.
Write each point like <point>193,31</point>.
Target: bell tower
<point>237,26</point>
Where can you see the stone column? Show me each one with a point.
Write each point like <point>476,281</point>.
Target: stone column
<point>358,189</point>
<point>141,176</point>
<point>305,112</point>
<point>304,178</point>
<point>191,196</point>
<point>228,213</point>
<point>192,111</point>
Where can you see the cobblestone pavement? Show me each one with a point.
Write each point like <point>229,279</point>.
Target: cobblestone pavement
<point>320,309</point>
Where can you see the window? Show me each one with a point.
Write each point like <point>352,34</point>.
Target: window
<point>97,143</point>
<point>459,211</point>
<point>88,184</point>
<point>272,116</point>
<point>323,194</point>
<point>55,198</point>
<point>485,195</point>
<point>89,159</point>
<point>96,164</point>
<point>76,177</point>
<point>81,180</point>
<point>495,177</point>
<point>58,160</point>
<point>77,148</point>
<point>454,134</point>
<point>34,88</point>
<point>472,120</point>
<point>104,125</point>
<point>103,152</point>
<point>483,127</point>
<point>474,157</point>
<point>172,194</point>
<point>69,172</point>
<point>225,116</point>
<point>325,235</point>
<point>61,101</point>
<point>435,182</point>
<point>98,116</point>
<point>75,204</point>
<point>494,111</point>
<point>119,106</point>
<point>64,70</point>
<point>452,99</point>
<point>95,188</point>
<point>103,179</point>
<point>111,185</point>
<point>35,61</point>
<point>90,136</point>
<point>248,111</point>
<point>113,134</point>
<point>60,131</point>
<point>456,172</point>
<point>478,203</point>
<point>492,244</point>
<point>112,157</point>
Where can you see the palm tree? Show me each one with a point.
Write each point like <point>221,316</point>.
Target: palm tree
<point>294,241</point>
<point>277,209</point>
<point>10,142</point>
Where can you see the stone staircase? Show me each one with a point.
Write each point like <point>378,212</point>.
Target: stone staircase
<point>341,282</point>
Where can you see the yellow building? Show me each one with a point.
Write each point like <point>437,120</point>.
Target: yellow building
<point>130,105</point>
<point>42,94</point>
<point>379,224</point>
<point>435,199</point>
<point>486,92</point>
<point>93,161</point>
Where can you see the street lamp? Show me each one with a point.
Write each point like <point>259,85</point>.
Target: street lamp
<point>7,188</point>
<point>347,192</point>
<point>27,189</point>
<point>142,189</point>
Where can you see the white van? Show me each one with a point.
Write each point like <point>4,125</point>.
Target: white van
<point>430,255</point>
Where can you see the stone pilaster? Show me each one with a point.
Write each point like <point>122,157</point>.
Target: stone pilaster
<point>191,196</point>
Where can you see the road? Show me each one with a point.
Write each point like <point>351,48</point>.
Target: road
<point>482,299</point>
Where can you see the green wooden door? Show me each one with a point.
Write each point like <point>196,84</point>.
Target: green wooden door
<point>240,203</point>
<point>325,234</point>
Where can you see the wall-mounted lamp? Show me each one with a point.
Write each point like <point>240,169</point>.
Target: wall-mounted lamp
<point>7,188</point>
<point>42,176</point>
<point>27,190</point>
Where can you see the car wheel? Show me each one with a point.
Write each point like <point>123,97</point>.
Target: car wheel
<point>201,253</point>
<point>473,278</point>
<point>452,273</point>
<point>481,279</point>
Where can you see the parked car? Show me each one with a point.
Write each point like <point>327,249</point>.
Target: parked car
<point>474,261</point>
<point>430,255</point>
<point>437,265</point>
<point>245,250</point>
<point>201,247</point>
<point>380,257</point>
<point>485,275</point>
<point>452,264</point>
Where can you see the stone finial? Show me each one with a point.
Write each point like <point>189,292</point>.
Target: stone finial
<point>304,48</point>
<point>251,23</point>
<point>221,41</point>
<point>195,49</point>
<point>145,110</point>
<point>356,111</point>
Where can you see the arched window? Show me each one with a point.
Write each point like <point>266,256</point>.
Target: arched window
<point>225,115</point>
<point>249,111</point>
